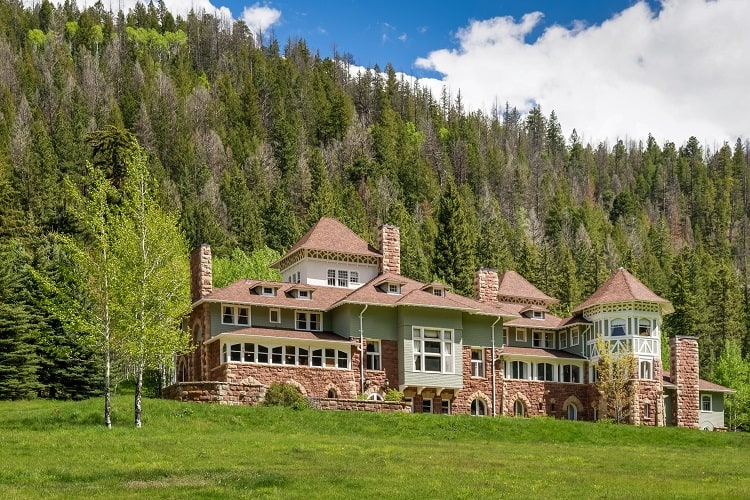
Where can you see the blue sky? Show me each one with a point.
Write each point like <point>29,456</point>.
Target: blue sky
<point>611,69</point>
<point>400,32</point>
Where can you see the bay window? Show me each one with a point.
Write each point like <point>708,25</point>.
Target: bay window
<point>433,350</point>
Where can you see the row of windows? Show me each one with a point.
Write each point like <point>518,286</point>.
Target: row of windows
<point>547,372</point>
<point>284,355</point>
<point>546,339</point>
<point>342,278</point>
<point>240,315</point>
<point>619,327</point>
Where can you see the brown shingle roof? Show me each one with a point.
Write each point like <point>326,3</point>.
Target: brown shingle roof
<point>333,236</point>
<point>703,385</point>
<point>514,285</point>
<point>322,297</point>
<point>624,287</point>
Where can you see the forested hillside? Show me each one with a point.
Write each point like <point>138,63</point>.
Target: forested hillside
<point>252,142</point>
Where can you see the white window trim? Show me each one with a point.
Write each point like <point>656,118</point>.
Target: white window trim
<point>338,356</point>
<point>710,403</point>
<point>563,340</point>
<point>624,327</point>
<point>477,365</point>
<point>650,367</point>
<point>544,379</point>
<point>278,315</point>
<point>520,334</point>
<point>575,337</point>
<point>307,320</point>
<point>447,349</point>
<point>235,314</point>
<point>561,375</point>
<point>268,291</point>
<point>426,403</point>
<point>394,289</point>
<point>375,397</point>
<point>374,354</point>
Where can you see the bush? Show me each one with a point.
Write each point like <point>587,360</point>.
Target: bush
<point>286,395</point>
<point>393,395</point>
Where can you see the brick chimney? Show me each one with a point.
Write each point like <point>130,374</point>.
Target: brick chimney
<point>486,285</point>
<point>201,277</point>
<point>683,352</point>
<point>389,241</point>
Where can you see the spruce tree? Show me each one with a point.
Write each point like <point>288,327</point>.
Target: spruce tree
<point>455,246</point>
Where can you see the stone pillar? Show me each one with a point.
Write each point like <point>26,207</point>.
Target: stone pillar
<point>389,241</point>
<point>684,373</point>
<point>201,278</point>
<point>486,285</point>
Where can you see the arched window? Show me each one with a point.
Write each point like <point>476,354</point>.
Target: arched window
<point>331,393</point>
<point>572,412</point>
<point>375,397</point>
<point>478,407</point>
<point>182,373</point>
<point>519,410</point>
<point>618,327</point>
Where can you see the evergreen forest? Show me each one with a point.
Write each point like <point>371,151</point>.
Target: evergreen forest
<point>251,140</point>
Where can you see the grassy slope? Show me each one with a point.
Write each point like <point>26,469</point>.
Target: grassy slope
<point>54,449</point>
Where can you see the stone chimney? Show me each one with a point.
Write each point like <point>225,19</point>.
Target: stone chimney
<point>201,277</point>
<point>683,352</point>
<point>486,285</point>
<point>389,241</point>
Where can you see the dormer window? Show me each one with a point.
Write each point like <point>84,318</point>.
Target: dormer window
<point>268,291</point>
<point>537,314</point>
<point>303,294</point>
<point>394,288</point>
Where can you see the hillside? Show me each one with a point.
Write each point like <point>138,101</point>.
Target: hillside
<point>187,450</point>
<point>252,142</point>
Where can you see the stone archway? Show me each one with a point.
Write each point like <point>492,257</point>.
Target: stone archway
<point>573,414</point>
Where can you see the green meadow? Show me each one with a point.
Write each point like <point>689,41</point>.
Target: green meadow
<point>186,450</point>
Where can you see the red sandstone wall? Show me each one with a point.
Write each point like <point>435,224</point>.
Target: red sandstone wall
<point>474,387</point>
<point>547,398</point>
<point>685,375</point>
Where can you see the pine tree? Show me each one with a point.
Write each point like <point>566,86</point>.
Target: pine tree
<point>455,258</point>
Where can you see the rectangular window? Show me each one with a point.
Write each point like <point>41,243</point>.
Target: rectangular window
<point>235,352</point>
<point>445,407</point>
<point>646,370</point>
<point>249,353</point>
<point>545,371</point>
<point>426,406</point>
<point>571,374</point>
<point>537,314</point>
<point>354,277</point>
<point>477,362</point>
<point>306,320</point>
<point>438,292</point>
<point>269,291</point>
<point>505,335</point>
<point>394,288</point>
<point>331,277</point>
<point>277,355</point>
<point>706,403</point>
<point>518,370</point>
<point>329,358</point>
<point>537,339</point>
<point>343,279</point>
<point>520,335</point>
<point>646,411</point>
<point>575,337</point>
<point>433,350</point>
<point>235,315</point>
<point>373,355</point>
<point>274,316</point>
<point>644,328</point>
<point>563,340</point>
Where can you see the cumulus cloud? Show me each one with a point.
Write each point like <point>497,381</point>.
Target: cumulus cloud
<point>260,17</point>
<point>676,73</point>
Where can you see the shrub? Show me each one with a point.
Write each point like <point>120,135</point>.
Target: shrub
<point>393,395</point>
<point>286,395</point>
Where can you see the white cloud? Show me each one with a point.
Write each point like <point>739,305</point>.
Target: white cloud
<point>674,74</point>
<point>260,17</point>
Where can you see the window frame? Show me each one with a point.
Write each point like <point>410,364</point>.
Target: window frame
<point>575,336</point>
<point>521,335</point>
<point>374,357</point>
<point>427,403</point>
<point>478,408</point>
<point>563,339</point>
<point>271,311</point>
<point>308,315</point>
<point>710,399</point>
<point>423,349</point>
<point>549,370</point>
<point>648,374</point>
<point>234,312</point>
<point>331,275</point>
<point>618,323</point>
<point>569,378</point>
<point>571,408</point>
<point>477,364</point>
<point>647,322</point>
<point>517,367</point>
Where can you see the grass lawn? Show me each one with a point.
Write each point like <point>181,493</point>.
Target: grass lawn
<point>188,450</point>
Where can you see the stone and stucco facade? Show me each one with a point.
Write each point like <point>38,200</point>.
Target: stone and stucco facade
<point>344,325</point>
